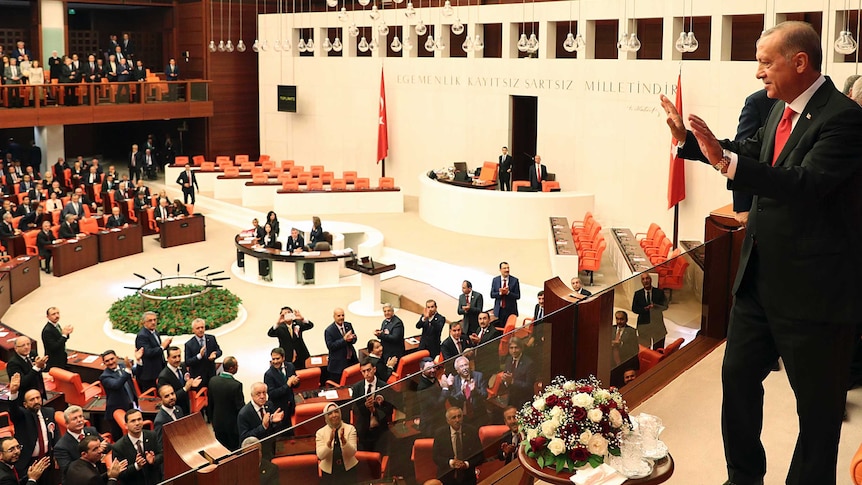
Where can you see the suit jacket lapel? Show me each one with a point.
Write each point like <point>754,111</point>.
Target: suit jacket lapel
<point>809,114</point>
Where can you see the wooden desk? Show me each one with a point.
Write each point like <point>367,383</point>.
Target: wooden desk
<point>15,245</point>
<point>7,348</point>
<point>660,474</point>
<point>23,276</point>
<point>343,396</point>
<point>89,371</point>
<point>469,184</point>
<point>5,293</point>
<point>119,242</point>
<point>175,232</point>
<point>149,406</point>
<point>72,256</point>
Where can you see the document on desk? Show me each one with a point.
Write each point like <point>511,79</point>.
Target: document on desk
<point>90,359</point>
<point>316,360</point>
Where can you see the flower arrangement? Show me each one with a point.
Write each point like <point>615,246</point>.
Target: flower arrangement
<point>571,424</point>
<point>217,306</point>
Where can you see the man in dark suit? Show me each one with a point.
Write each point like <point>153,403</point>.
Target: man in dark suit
<point>74,206</point>
<point>624,343</point>
<point>486,357</point>
<point>457,450</point>
<point>35,428</point>
<point>259,417</point>
<point>280,380</point>
<point>176,376</point>
<point>431,398</point>
<point>154,346</point>
<point>431,323</point>
<point>90,70</point>
<point>116,219</point>
<point>649,303</point>
<point>467,390</point>
<point>128,46</point>
<point>69,76</point>
<point>86,469</point>
<point>66,449</point>
<point>21,52</point>
<point>509,441</point>
<point>32,220</point>
<point>538,173</point>
<point>519,374</point>
<point>506,291</point>
<point>339,337</point>
<point>754,113</point>
<point>225,399</point>
<point>288,329</point>
<point>456,343</point>
<point>54,337</point>
<point>170,410</point>
<point>10,456</point>
<point>116,379</point>
<point>69,228</point>
<point>135,162</point>
<point>55,65</point>
<point>391,334</point>
<point>201,352</point>
<point>44,239</point>
<point>504,171</point>
<point>28,365</point>
<point>188,183</point>
<point>803,169</point>
<point>372,415</point>
<point>172,73</point>
<point>142,450</point>
<point>579,292</point>
<point>470,304</point>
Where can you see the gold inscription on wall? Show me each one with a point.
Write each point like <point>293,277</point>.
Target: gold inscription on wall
<point>538,84</point>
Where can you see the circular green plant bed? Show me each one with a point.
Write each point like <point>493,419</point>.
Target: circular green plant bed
<point>217,306</point>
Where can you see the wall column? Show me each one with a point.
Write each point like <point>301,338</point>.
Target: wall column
<point>52,14</point>
<point>51,139</point>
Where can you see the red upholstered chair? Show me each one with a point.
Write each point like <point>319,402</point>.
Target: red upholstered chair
<point>30,242</point>
<point>295,170</point>
<point>198,160</point>
<point>130,210</point>
<point>284,176</point>
<point>362,184</point>
<point>89,225</point>
<point>7,428</point>
<point>316,170</point>
<point>592,260</point>
<point>338,184</point>
<point>287,164</point>
<point>75,392</point>
<point>407,366</point>
<point>519,183</point>
<point>423,460</point>
<point>181,161</point>
<point>198,399</point>
<point>208,167</point>
<point>305,412</point>
<point>275,172</point>
<point>257,170</point>
<point>241,159</point>
<point>290,185</point>
<point>259,178</point>
<point>222,159</point>
<point>855,467</point>
<point>548,185</point>
<point>370,467</point>
<point>349,177</point>
<point>263,157</point>
<point>151,217</point>
<point>247,166</point>
<point>350,376</point>
<point>231,171</point>
<point>326,177</point>
<point>309,379</point>
<point>490,437</point>
<point>299,468</point>
<point>314,184</point>
<point>386,183</point>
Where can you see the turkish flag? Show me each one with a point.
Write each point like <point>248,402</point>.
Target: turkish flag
<point>676,181</point>
<point>382,133</point>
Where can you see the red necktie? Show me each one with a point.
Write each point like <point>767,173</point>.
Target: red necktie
<point>503,300</point>
<point>785,126</point>
<point>539,173</point>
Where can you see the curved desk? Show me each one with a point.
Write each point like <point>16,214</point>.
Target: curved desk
<point>286,268</point>
<point>509,215</point>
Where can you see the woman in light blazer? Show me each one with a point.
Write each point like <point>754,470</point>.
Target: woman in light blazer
<point>336,449</point>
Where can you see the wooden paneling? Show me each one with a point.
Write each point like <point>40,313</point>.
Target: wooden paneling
<point>76,115</point>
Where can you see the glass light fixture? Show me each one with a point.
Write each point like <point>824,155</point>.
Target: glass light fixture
<point>396,45</point>
<point>221,46</point>
<point>342,15</point>
<point>264,45</point>
<point>286,45</point>
<point>420,28</point>
<point>353,30</point>
<point>580,42</point>
<point>326,45</point>
<point>457,27</point>
<point>478,44</point>
<point>845,44</point>
<point>679,45</point>
<point>408,45</point>
<point>569,43</point>
<point>691,43</point>
<point>522,42</point>
<point>337,46</point>
<point>634,44</point>
<point>429,43</point>
<point>447,9</point>
<point>331,3</point>
<point>467,45</point>
<point>212,46</point>
<point>374,14</point>
<point>364,3</point>
<point>383,29</point>
<point>532,43</point>
<point>300,46</point>
<point>363,45</point>
<point>623,43</point>
<point>240,46</point>
<point>439,45</point>
<point>373,45</point>
<point>410,12</point>
<point>228,46</point>
<point>276,46</point>
<point>309,45</point>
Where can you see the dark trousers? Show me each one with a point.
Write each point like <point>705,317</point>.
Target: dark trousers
<point>817,358</point>
<point>188,193</point>
<point>505,180</point>
<point>135,173</point>
<point>46,261</point>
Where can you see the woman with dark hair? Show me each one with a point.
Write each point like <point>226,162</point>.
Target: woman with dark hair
<point>268,241</point>
<point>180,208</point>
<point>316,234</point>
<point>272,220</point>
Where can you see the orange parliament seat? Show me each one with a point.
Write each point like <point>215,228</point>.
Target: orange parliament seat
<point>259,178</point>
<point>304,178</point>
<point>489,436</point>
<point>256,170</point>
<point>592,260</point>
<point>231,171</point>
<point>222,159</point>
<point>130,209</point>
<point>316,170</point>
<point>247,166</point>
<point>305,412</point>
<point>89,225</point>
<point>267,164</point>
<point>350,376</point>
<point>30,242</point>
<point>338,184</point>
<point>300,468</point>
<point>295,170</point>
<point>489,172</point>
<point>290,185</point>
<point>75,392</point>
<point>241,159</point>
<point>263,157</point>
<point>349,176</point>
<point>287,164</point>
<point>386,183</point>
<point>407,366</point>
<point>674,277</point>
<point>151,217</point>
<point>7,428</point>
<point>198,399</point>
<point>275,171</point>
<point>519,183</point>
<point>423,460</point>
<point>309,379</point>
<point>284,176</point>
<point>370,467</point>
<point>547,186</point>
<point>362,184</point>
<point>208,167</point>
<point>198,160</point>
<point>181,161</point>
<point>326,177</point>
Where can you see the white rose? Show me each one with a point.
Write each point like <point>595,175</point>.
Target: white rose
<point>549,428</point>
<point>539,404</point>
<point>556,411</point>
<point>616,418</point>
<point>557,446</point>
<point>585,437</point>
<point>595,415</point>
<point>603,394</point>
<point>598,445</point>
<point>582,399</point>
<point>569,386</point>
<point>532,433</point>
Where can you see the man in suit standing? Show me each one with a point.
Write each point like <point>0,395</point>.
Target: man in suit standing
<point>456,343</point>
<point>225,399</point>
<point>66,449</point>
<point>391,334</point>
<point>172,73</point>
<point>801,166</point>
<point>54,337</point>
<point>288,330</point>
<point>35,428</point>
<point>116,379</point>
<point>506,291</point>
<point>457,450</point>
<point>486,357</point>
<point>69,76</point>
<point>140,448</point>
<point>13,76</point>
<point>201,352</point>
<point>372,415</point>
<point>468,391</point>
<point>170,410</point>
<point>10,456</point>
<point>55,65</point>
<point>86,469</point>
<point>504,170</point>
<point>188,183</point>
<point>519,374</point>
<point>509,441</point>
<point>177,377</point>
<point>148,338</point>
<point>28,365</point>
<point>470,305</point>
<point>280,380</point>
<point>44,239</point>
<point>128,46</point>
<point>339,337</point>
<point>538,173</point>
<point>624,344</point>
<point>754,113</point>
<point>649,303</point>
<point>431,323</point>
<point>91,74</point>
<point>431,398</point>
<point>579,292</point>
<point>259,418</point>
<point>135,163</point>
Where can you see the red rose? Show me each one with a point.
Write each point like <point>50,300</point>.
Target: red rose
<point>586,389</point>
<point>538,443</point>
<point>612,404</point>
<point>579,454</point>
<point>579,413</point>
<point>552,400</point>
<point>605,408</point>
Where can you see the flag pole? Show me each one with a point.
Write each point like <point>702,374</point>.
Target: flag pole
<point>676,206</point>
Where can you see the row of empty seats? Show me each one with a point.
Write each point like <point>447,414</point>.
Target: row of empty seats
<point>670,265</point>
<point>590,243</point>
